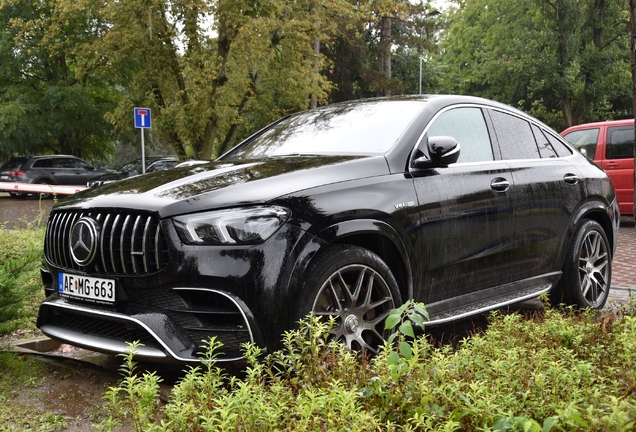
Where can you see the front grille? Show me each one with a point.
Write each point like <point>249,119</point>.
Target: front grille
<point>129,243</point>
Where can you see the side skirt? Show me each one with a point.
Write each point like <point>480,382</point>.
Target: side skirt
<point>488,299</point>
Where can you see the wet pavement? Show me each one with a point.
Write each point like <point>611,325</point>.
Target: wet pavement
<point>32,211</point>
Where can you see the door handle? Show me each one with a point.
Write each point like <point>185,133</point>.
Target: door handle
<point>612,164</point>
<point>571,178</point>
<point>499,184</point>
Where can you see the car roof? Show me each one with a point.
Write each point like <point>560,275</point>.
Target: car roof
<point>607,123</point>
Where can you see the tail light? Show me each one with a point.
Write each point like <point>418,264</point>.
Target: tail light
<point>16,173</point>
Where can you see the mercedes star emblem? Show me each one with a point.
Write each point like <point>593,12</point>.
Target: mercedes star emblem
<point>84,240</point>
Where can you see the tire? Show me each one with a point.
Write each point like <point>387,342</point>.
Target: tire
<point>587,269</point>
<point>357,288</point>
<point>43,195</point>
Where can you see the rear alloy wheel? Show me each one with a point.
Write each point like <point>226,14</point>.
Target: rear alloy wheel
<point>355,287</point>
<point>588,268</point>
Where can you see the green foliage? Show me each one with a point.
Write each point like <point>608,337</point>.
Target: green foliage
<point>50,102</point>
<point>567,370</point>
<point>20,283</point>
<point>564,61</point>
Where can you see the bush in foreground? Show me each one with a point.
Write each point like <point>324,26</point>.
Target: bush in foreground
<point>567,370</point>
<point>20,284</point>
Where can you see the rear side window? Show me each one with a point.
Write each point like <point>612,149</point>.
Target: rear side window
<point>561,149</point>
<point>14,164</point>
<point>42,163</point>
<point>468,127</point>
<point>620,143</point>
<point>515,137</point>
<point>545,148</point>
<point>584,141</point>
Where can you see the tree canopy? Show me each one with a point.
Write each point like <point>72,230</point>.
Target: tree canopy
<point>565,61</point>
<point>215,71</point>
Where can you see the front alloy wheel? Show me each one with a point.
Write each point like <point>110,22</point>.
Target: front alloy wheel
<point>355,287</point>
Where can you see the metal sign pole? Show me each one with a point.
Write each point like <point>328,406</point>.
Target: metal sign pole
<point>143,153</point>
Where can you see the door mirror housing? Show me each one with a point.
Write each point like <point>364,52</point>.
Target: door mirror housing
<point>443,151</point>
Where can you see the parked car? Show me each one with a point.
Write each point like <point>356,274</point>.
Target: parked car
<point>134,168</point>
<point>192,162</point>
<point>611,145</point>
<point>345,211</point>
<point>49,169</point>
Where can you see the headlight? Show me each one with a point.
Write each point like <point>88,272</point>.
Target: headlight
<point>239,226</point>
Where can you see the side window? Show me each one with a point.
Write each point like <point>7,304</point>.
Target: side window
<point>468,127</point>
<point>515,137</point>
<point>561,149</point>
<point>41,163</point>
<point>584,141</point>
<point>620,143</point>
<point>64,163</point>
<point>78,163</point>
<point>545,148</point>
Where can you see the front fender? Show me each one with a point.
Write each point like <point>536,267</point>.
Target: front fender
<point>377,236</point>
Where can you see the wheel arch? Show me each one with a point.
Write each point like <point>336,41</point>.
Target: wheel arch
<point>44,180</point>
<point>376,236</point>
<point>606,217</point>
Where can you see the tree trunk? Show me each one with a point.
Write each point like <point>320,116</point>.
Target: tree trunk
<point>384,54</point>
<point>314,99</point>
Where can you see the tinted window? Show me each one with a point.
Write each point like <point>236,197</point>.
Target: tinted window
<point>515,137</point>
<point>545,148</point>
<point>13,164</point>
<point>468,127</point>
<point>341,129</point>
<point>620,143</point>
<point>584,141</point>
<point>162,165</point>
<point>63,163</point>
<point>42,163</point>
<point>78,163</point>
<point>561,149</point>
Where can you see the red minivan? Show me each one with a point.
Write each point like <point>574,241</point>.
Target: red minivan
<point>611,145</point>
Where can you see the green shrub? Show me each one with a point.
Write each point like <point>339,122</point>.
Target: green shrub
<point>20,284</point>
<point>567,370</point>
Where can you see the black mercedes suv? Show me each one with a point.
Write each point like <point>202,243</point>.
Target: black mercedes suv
<point>346,211</point>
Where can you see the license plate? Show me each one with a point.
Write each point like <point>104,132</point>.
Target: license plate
<point>92,289</point>
<point>4,177</point>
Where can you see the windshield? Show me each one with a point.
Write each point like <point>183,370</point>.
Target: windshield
<point>369,128</point>
<point>134,166</point>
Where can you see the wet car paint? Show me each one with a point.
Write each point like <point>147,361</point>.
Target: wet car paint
<point>449,234</point>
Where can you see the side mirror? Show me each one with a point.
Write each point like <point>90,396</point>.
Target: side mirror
<point>443,151</point>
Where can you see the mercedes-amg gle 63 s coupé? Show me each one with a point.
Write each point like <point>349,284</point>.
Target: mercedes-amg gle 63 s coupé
<point>346,211</point>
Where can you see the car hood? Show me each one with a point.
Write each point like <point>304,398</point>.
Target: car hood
<point>225,184</point>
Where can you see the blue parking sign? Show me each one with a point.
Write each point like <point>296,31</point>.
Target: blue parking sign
<point>142,118</point>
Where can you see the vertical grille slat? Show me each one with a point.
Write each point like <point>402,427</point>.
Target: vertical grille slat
<point>122,243</point>
<point>128,244</point>
<point>133,241</point>
<point>113,235</point>
<point>144,242</point>
<point>102,241</point>
<point>158,247</point>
